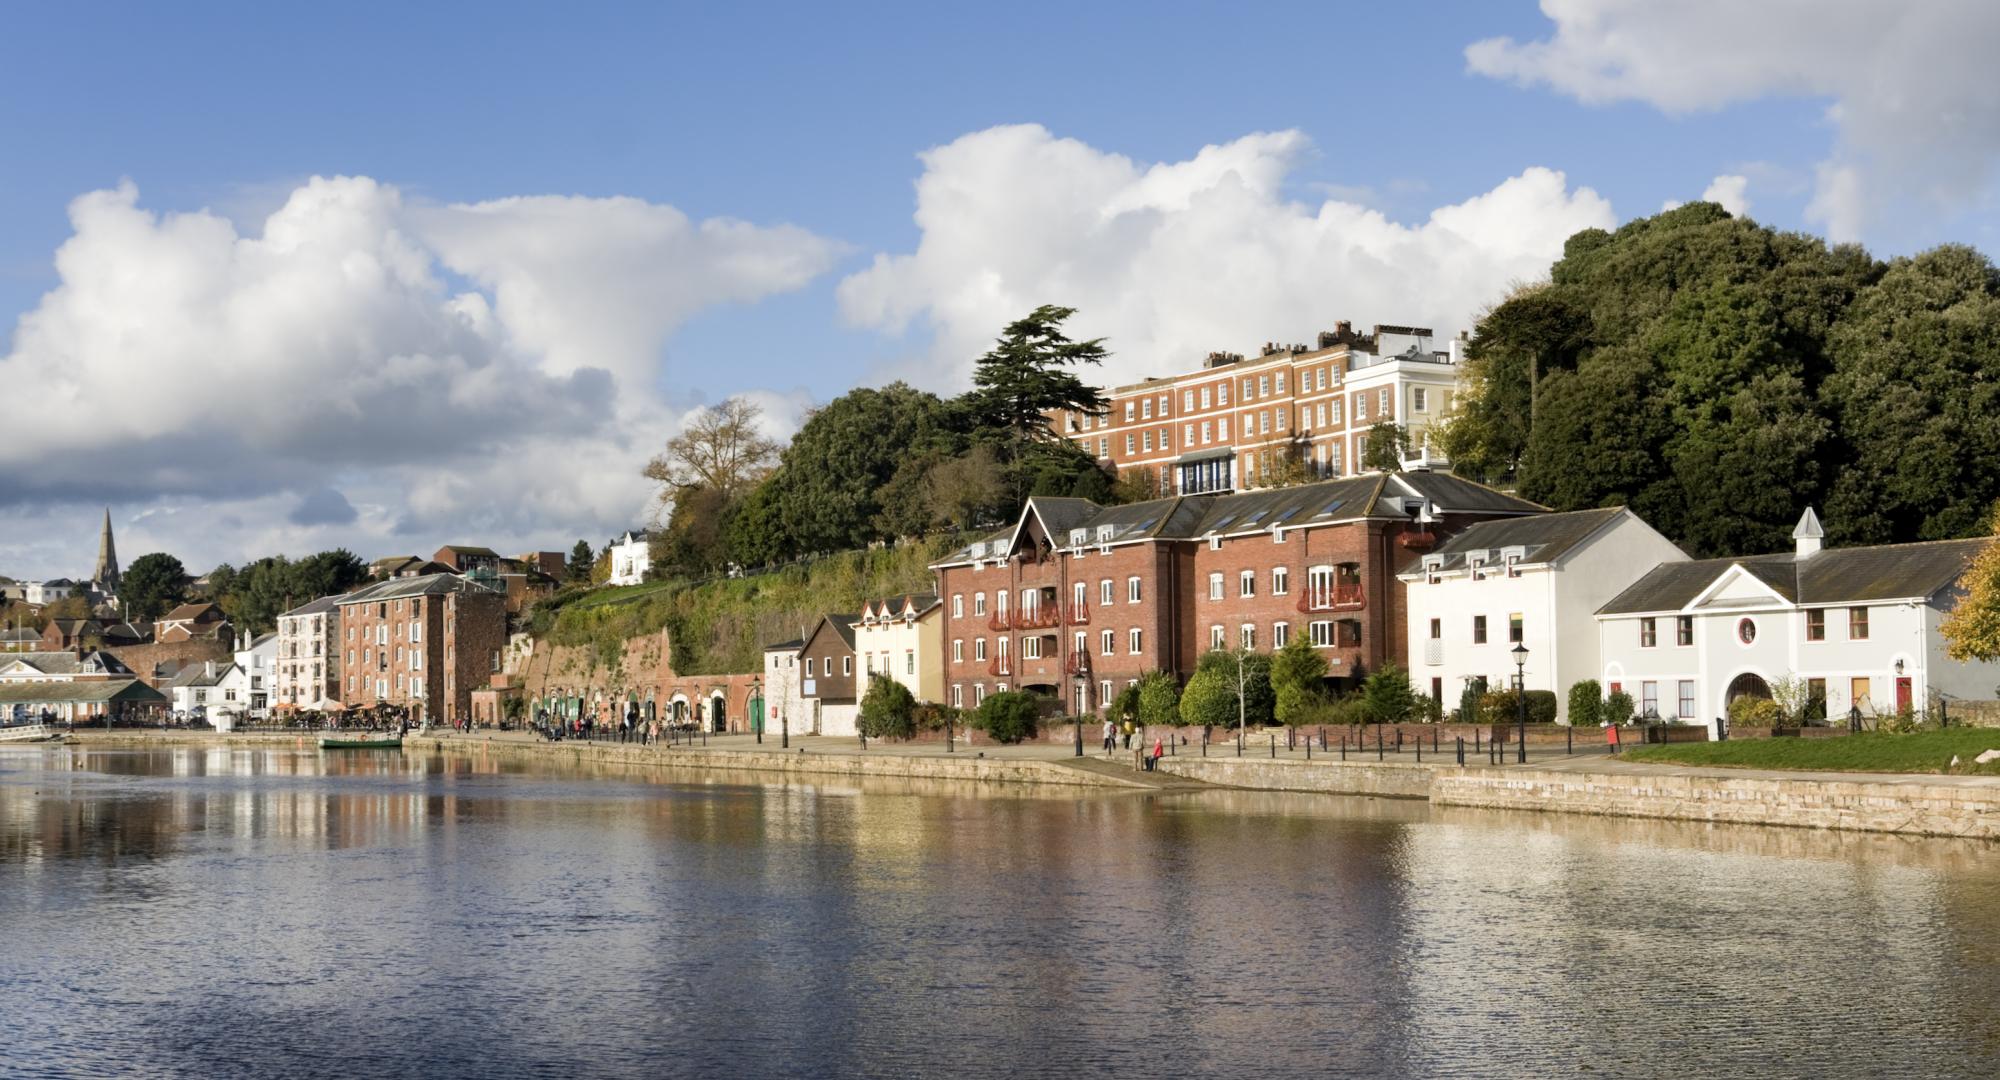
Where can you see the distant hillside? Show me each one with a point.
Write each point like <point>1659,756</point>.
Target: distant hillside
<point>722,625</point>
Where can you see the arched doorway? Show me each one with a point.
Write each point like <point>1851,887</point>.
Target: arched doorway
<point>1749,684</point>
<point>718,713</point>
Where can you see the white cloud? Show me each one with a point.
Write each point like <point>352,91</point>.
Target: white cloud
<point>1913,102</point>
<point>179,363</point>
<point>1731,192</point>
<point>1171,260</point>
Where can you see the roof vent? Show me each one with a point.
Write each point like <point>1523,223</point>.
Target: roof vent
<point>1807,536</point>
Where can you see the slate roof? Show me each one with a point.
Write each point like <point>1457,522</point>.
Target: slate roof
<point>842,625</point>
<point>197,675</point>
<point>895,606</point>
<point>1545,537</point>
<point>67,663</point>
<point>191,611</point>
<point>398,588</point>
<point>78,693</point>
<point>318,607</point>
<point>465,550</point>
<point>20,635</point>
<point>1829,577</point>
<point>1188,517</point>
<point>793,645</point>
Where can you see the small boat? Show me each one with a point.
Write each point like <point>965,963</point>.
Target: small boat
<point>329,742</point>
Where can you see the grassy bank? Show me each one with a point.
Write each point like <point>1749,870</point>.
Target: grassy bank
<point>1918,752</point>
<point>723,625</point>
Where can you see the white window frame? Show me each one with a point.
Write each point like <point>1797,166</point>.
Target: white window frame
<point>1217,637</point>
<point>1246,636</point>
<point>1246,584</point>
<point>1134,592</point>
<point>1215,585</point>
<point>1320,633</point>
<point>1135,641</point>
<point>1281,634</point>
<point>1281,580</point>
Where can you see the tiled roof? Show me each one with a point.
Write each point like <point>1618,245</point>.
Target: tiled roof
<point>1545,537</point>
<point>190,611</point>
<point>1830,576</point>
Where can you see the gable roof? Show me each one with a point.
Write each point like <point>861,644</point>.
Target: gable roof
<point>65,693</point>
<point>843,627</point>
<point>1831,576</point>
<point>793,645</point>
<point>464,549</point>
<point>1187,517</point>
<point>399,588</point>
<point>1545,537</point>
<point>67,663</point>
<point>317,607</point>
<point>191,611</point>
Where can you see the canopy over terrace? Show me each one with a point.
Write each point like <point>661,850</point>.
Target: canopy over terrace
<point>77,700</point>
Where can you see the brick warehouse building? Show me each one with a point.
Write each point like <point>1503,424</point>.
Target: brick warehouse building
<point>1077,600</point>
<point>425,643</point>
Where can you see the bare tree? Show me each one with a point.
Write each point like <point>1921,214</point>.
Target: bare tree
<point>720,447</point>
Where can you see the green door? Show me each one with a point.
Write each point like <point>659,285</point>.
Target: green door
<point>757,716</point>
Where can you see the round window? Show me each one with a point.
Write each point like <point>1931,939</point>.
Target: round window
<point>1746,631</point>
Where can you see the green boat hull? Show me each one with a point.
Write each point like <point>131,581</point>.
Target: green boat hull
<point>361,744</point>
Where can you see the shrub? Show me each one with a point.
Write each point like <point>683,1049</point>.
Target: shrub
<point>1159,699</point>
<point>1755,712</point>
<point>888,711</point>
<point>1125,706</point>
<point>1009,716</point>
<point>930,717</point>
<point>1388,696</point>
<point>1617,708</point>
<point>1586,703</point>
<point>1297,673</point>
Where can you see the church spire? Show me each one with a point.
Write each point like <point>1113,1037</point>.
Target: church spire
<point>106,574</point>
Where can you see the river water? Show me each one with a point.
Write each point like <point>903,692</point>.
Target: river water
<point>237,912</point>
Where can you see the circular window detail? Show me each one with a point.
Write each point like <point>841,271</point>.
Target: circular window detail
<point>1746,631</point>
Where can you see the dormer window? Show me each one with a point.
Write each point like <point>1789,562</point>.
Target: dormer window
<point>1513,567</point>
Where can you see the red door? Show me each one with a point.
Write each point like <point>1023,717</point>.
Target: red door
<point>1902,695</point>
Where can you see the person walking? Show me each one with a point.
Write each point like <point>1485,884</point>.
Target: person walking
<point>1110,733</point>
<point>1128,734</point>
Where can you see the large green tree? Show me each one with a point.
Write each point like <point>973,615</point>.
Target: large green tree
<point>1027,375</point>
<point>151,586</point>
<point>1298,680</point>
<point>829,485</point>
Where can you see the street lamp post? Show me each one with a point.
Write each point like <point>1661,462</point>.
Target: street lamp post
<point>1520,653</point>
<point>757,706</point>
<point>1241,710</point>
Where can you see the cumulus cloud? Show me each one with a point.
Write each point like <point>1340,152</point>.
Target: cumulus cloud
<point>179,358</point>
<point>1912,101</point>
<point>1730,191</point>
<point>1173,259</point>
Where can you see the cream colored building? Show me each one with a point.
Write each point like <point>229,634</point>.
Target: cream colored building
<point>901,639</point>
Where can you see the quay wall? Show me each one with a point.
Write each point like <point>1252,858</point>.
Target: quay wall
<point>1394,780</point>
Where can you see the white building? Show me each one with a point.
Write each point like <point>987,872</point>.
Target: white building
<point>902,639</point>
<point>631,557</point>
<point>307,675</point>
<point>1533,581</point>
<point>785,704</point>
<point>242,690</point>
<point>39,593</point>
<point>192,690</point>
<point>1857,626</point>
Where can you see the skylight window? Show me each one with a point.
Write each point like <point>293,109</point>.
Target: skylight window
<point>1330,508</point>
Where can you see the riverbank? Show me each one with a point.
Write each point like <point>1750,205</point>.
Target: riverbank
<point>1905,804</point>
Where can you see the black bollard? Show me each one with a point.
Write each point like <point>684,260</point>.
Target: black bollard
<point>1343,746</point>
<point>1274,745</point>
<point>1569,738</point>
<point>1378,742</point>
<point>1461,749</point>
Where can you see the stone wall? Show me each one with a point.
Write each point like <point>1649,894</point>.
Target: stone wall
<point>143,658</point>
<point>1921,805</point>
<point>1392,779</point>
<point>645,672</point>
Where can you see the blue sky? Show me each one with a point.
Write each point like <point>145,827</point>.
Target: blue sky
<point>813,116</point>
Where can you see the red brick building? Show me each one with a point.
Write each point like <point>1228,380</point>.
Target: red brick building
<point>423,643</point>
<point>1076,600</point>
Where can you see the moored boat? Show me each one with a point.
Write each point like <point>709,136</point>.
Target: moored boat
<point>331,742</point>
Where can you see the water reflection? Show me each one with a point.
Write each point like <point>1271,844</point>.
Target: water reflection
<point>244,912</point>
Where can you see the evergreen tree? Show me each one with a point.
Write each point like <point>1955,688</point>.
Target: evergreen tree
<point>580,560</point>
<point>151,586</point>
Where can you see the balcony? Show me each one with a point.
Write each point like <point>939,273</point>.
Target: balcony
<point>1037,618</point>
<point>1077,664</point>
<point>998,622</point>
<point>1337,597</point>
<point>1079,614</point>
<point>1420,540</point>
<point>1001,666</point>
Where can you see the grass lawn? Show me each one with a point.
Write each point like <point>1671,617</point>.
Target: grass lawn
<point>1918,752</point>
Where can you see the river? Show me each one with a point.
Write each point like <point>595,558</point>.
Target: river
<point>219,912</point>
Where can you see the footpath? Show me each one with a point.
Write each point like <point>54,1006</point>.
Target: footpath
<point>1552,781</point>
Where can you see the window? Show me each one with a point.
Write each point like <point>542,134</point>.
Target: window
<point>1263,386</point>
<point>1104,447</point>
<point>1333,458</point>
<point>1383,402</point>
<point>1746,630</point>
<point>1222,398</point>
<point>1281,382</point>
<point>1135,641</point>
<point>1248,388</point>
<point>1107,642</point>
<point>1163,438</point>
<point>1280,579</point>
<point>957,696</point>
<point>1207,432</point>
<point>847,665</point>
<point>1104,692</point>
<point>978,693</point>
<point>1514,629</point>
<point>1649,633</point>
<point>416,630</point>
<point>1222,428</point>
<point>1128,442</point>
<point>1187,399</point>
<point>958,605</point>
<point>1281,635</point>
<point>1131,590</point>
<point>1187,435</point>
<point>1437,629</point>
<point>1684,632</point>
<point>1215,637</point>
<point>1360,407</point>
<point>1857,624</point>
<point>1513,566</point>
<point>1479,629</point>
<point>979,603</point>
<point>1246,635</point>
<point>1816,699</point>
<point>1649,698</point>
<point>809,667</point>
<point>1204,400</point>
<point>1687,699</point>
<point>1104,591</point>
<point>1417,399</point>
<point>1246,583</point>
<point>1031,648</point>
<point>1147,442</point>
<point>957,650</point>
<point>1858,691</point>
<point>1320,634</point>
<point>1146,409</point>
<point>1816,624</point>
<point>870,663</point>
<point>1128,412</point>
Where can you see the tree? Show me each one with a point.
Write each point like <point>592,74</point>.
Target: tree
<point>326,573</point>
<point>888,710</point>
<point>1209,700</point>
<point>151,586</point>
<point>1388,695</point>
<point>721,448</point>
<point>1972,628</point>
<point>829,484</point>
<point>1211,697</point>
<point>1618,708</point>
<point>966,491</point>
<point>1026,376</point>
<point>1537,329</point>
<point>694,541</point>
<point>1124,706</point>
<point>1298,677</point>
<point>1159,700</point>
<point>1586,703</point>
<point>1386,444</point>
<point>1008,717</point>
<point>580,560</point>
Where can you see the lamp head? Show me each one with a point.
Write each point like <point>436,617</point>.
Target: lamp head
<point>1520,653</point>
